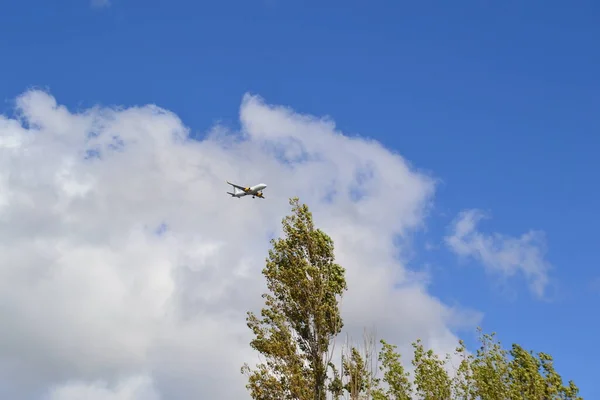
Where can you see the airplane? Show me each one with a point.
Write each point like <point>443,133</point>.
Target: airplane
<point>254,191</point>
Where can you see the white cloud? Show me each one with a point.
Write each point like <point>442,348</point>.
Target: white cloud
<point>500,254</point>
<point>92,289</point>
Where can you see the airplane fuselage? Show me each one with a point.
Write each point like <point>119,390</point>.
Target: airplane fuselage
<point>254,191</point>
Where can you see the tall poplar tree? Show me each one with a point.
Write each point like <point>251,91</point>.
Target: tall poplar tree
<point>301,316</point>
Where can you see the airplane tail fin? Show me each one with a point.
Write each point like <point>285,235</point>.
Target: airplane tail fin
<point>236,191</point>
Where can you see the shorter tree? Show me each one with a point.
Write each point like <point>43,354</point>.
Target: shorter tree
<point>431,378</point>
<point>395,377</point>
<point>463,384</point>
<point>490,368</point>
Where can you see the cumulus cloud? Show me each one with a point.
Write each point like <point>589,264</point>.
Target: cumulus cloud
<point>126,271</point>
<point>501,254</point>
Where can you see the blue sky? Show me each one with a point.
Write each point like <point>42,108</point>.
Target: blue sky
<point>499,101</point>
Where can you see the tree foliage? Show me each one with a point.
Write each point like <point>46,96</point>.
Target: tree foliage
<point>359,378</point>
<point>431,379</point>
<point>301,318</point>
<point>395,377</point>
<point>301,315</point>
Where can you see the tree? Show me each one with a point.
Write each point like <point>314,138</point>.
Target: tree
<point>394,376</point>
<point>463,384</point>
<point>358,378</point>
<point>301,316</point>
<point>431,379</point>
<point>490,368</point>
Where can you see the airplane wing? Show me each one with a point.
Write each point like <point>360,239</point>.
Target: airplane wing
<point>245,189</point>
